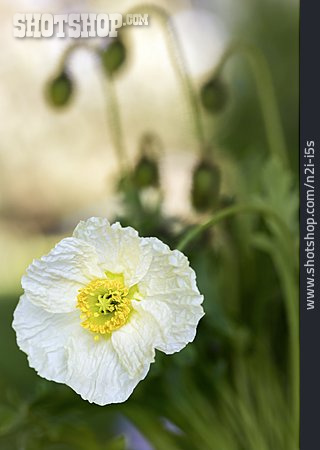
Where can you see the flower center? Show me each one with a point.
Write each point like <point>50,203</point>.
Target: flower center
<point>105,304</point>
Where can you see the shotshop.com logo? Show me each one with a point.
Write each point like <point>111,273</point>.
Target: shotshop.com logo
<point>82,25</point>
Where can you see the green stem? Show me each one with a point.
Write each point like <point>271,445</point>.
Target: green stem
<point>289,289</point>
<point>232,211</point>
<point>113,105</point>
<point>266,93</point>
<point>68,51</point>
<point>115,125</point>
<point>179,65</point>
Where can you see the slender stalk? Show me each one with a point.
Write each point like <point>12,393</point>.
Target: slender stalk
<point>68,51</point>
<point>266,93</point>
<point>179,65</point>
<point>113,104</point>
<point>115,124</point>
<point>229,212</point>
<point>290,289</point>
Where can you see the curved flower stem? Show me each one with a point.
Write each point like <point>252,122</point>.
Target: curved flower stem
<point>68,51</point>
<point>266,93</point>
<point>115,125</point>
<point>113,110</point>
<point>232,211</point>
<point>179,65</point>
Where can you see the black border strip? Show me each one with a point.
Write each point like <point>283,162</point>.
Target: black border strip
<point>309,243</point>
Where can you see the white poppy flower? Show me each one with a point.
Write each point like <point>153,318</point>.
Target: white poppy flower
<point>98,305</point>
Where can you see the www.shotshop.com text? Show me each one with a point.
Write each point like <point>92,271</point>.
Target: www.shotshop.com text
<point>310,222</point>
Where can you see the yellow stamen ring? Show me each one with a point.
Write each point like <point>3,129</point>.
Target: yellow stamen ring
<point>105,304</point>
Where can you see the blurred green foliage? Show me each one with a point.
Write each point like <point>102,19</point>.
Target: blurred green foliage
<point>235,387</point>
<point>273,28</point>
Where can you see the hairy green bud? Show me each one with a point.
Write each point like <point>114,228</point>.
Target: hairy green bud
<point>113,56</point>
<point>214,95</point>
<point>146,173</point>
<point>205,186</point>
<point>60,90</point>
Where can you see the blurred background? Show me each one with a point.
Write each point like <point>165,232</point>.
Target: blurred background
<point>162,128</point>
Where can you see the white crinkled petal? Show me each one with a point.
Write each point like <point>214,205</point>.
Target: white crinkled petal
<point>43,337</point>
<point>120,250</point>
<point>96,372</point>
<point>54,280</point>
<point>177,324</point>
<point>170,294</point>
<point>135,341</point>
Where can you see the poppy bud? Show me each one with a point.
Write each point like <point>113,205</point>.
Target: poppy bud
<point>205,186</point>
<point>214,95</point>
<point>113,56</point>
<point>59,90</point>
<point>146,173</point>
